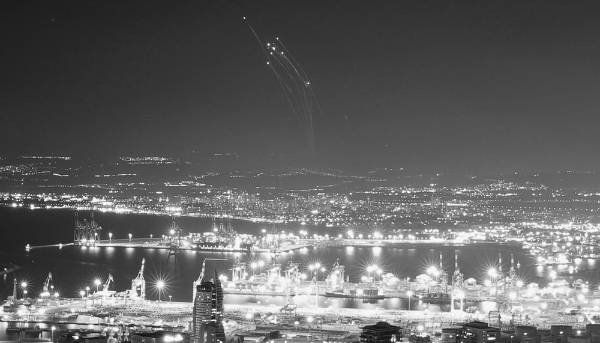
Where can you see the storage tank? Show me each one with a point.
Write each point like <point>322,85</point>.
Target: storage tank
<point>561,330</point>
<point>578,339</point>
<point>525,331</point>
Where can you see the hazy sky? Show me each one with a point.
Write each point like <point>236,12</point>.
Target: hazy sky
<point>429,85</point>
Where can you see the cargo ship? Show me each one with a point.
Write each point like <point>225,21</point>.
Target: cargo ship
<point>222,238</point>
<point>435,298</point>
<point>368,294</point>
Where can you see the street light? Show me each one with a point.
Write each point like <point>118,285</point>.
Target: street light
<point>110,237</point>
<point>493,273</point>
<point>160,284</point>
<point>130,235</point>
<point>374,270</point>
<point>87,291</point>
<point>97,282</point>
<point>25,295</point>
<point>53,328</point>
<point>409,294</point>
<point>24,288</point>
<point>296,324</point>
<point>170,300</point>
<point>82,293</point>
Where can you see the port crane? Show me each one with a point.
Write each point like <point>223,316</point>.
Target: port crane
<point>46,288</point>
<point>202,273</point>
<point>14,296</point>
<point>107,283</point>
<point>86,233</point>
<point>138,285</point>
<point>174,242</point>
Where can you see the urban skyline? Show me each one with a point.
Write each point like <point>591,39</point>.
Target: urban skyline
<point>351,171</point>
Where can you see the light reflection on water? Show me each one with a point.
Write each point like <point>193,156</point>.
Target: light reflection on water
<point>74,268</point>
<point>324,302</point>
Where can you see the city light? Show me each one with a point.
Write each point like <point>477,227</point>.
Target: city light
<point>160,284</point>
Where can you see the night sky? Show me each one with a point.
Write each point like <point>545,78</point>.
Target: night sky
<point>469,86</point>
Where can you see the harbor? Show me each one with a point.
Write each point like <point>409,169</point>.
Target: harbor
<point>342,284</point>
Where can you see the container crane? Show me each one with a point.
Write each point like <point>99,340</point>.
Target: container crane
<point>46,287</point>
<point>107,283</point>
<point>138,285</point>
<point>104,293</point>
<point>201,276</point>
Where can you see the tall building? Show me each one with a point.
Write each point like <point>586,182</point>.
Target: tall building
<point>208,312</point>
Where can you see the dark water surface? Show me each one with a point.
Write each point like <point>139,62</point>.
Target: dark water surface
<point>74,268</point>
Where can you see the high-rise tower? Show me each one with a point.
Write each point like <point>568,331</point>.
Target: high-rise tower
<point>208,312</point>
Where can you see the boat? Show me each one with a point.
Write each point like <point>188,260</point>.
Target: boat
<point>434,298</point>
<point>354,296</point>
<point>209,246</point>
<point>255,292</point>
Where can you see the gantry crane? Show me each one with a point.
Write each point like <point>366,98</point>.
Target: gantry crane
<point>46,287</point>
<point>86,233</point>
<point>107,283</point>
<point>201,276</point>
<point>139,284</point>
